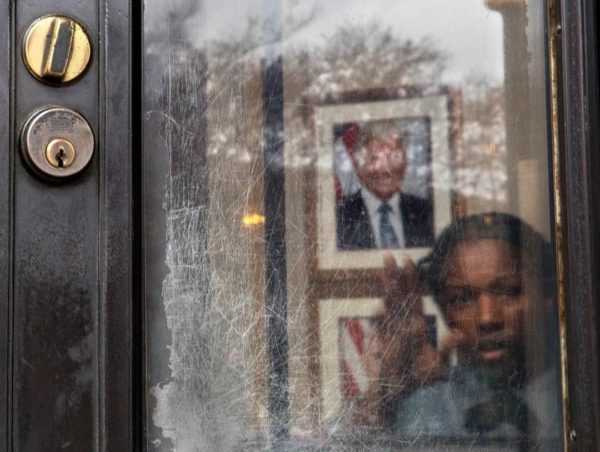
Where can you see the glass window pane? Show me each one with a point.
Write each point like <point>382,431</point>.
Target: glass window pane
<point>349,226</point>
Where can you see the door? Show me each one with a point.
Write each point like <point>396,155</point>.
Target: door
<point>302,226</point>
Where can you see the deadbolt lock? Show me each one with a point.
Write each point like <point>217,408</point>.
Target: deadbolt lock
<point>57,142</point>
<point>56,49</point>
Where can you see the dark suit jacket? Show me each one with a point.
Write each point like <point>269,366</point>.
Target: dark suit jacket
<point>354,231</point>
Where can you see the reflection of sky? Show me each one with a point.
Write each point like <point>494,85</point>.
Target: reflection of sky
<point>466,30</point>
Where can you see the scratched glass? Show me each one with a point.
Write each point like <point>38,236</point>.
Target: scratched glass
<point>348,226</point>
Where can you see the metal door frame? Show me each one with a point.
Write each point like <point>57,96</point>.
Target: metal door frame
<point>579,217</point>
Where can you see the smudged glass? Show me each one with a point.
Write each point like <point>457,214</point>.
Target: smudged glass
<point>285,307</point>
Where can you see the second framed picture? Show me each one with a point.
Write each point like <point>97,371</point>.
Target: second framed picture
<point>350,350</point>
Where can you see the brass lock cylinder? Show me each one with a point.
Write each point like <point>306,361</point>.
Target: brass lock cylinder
<point>56,49</point>
<point>61,153</point>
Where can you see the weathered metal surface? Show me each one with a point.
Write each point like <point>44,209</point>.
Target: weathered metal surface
<point>71,285</point>
<point>56,304</point>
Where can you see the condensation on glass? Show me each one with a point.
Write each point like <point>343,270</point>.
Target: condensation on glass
<point>348,226</point>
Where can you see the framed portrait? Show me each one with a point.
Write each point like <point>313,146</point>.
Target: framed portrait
<point>383,178</point>
<point>349,347</point>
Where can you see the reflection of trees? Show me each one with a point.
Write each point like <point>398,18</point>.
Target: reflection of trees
<point>481,170</point>
<point>366,57</point>
<point>353,57</point>
<point>234,93</point>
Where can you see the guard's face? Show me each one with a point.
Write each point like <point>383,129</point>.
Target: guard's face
<point>485,299</point>
<point>380,166</point>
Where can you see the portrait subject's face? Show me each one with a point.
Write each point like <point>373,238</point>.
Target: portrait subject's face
<point>380,165</point>
<point>486,301</point>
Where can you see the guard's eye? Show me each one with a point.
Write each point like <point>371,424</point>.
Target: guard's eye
<point>502,291</point>
<point>460,299</point>
<point>508,292</point>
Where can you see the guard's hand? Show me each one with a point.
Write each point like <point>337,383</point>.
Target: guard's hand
<point>405,359</point>
<point>409,359</point>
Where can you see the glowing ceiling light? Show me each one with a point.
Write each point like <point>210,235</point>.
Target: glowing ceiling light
<point>253,219</point>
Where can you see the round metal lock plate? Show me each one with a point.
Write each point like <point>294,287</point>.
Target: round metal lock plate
<point>56,49</point>
<point>57,142</point>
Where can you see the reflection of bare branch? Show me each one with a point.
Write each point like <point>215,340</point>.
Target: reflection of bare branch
<point>168,16</point>
<point>368,56</point>
<point>239,43</point>
<point>299,16</point>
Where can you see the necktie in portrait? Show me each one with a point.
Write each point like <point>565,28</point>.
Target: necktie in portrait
<point>388,236</point>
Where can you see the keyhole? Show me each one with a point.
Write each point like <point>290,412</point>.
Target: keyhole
<point>59,157</point>
<point>60,153</point>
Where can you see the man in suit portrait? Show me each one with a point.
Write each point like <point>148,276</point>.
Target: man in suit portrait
<point>379,215</point>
